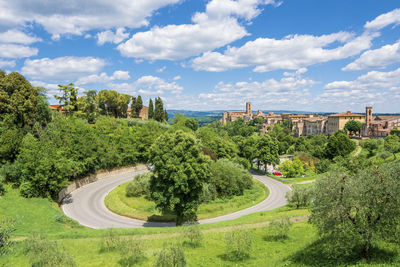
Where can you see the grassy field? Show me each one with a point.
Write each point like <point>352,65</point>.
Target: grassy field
<point>144,209</point>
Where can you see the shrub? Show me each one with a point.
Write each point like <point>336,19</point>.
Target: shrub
<point>139,186</point>
<point>132,252</point>
<point>384,154</point>
<point>229,178</point>
<point>209,193</point>
<point>6,228</point>
<point>292,168</point>
<point>238,244</point>
<point>2,190</point>
<point>300,196</point>
<point>110,242</point>
<point>322,166</point>
<point>192,235</point>
<point>43,252</point>
<point>278,229</point>
<point>172,256</point>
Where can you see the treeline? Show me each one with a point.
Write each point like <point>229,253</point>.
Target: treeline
<point>41,152</point>
<point>108,103</point>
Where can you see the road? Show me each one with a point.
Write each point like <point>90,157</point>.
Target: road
<point>86,204</point>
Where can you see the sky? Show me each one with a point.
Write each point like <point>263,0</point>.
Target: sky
<point>312,55</point>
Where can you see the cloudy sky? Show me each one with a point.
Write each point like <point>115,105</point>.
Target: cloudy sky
<point>331,55</point>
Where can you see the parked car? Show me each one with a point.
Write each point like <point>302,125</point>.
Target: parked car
<point>277,173</point>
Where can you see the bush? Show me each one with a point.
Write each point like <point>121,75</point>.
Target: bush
<point>192,235</point>
<point>384,154</point>
<point>6,228</point>
<point>2,190</point>
<point>322,166</point>
<point>229,178</point>
<point>278,229</point>
<point>300,196</point>
<point>209,193</point>
<point>132,252</point>
<point>172,256</point>
<point>238,244</point>
<point>139,186</point>
<point>292,168</point>
<point>43,252</point>
<point>110,242</point>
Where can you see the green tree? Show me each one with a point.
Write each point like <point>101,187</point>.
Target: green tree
<point>395,131</point>
<point>151,109</point>
<point>69,98</point>
<point>180,169</point>
<point>90,106</point>
<point>353,126</point>
<point>293,168</point>
<point>248,148</point>
<point>267,150</point>
<point>371,145</point>
<point>159,110</point>
<point>182,120</point>
<point>392,144</point>
<point>166,116</point>
<point>123,101</point>
<point>339,144</point>
<point>108,102</point>
<point>354,212</point>
<point>138,106</point>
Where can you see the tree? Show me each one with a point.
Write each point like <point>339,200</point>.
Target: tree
<point>69,98</point>
<point>138,106</point>
<point>90,107</point>
<point>182,120</point>
<point>371,145</point>
<point>122,105</point>
<point>395,131</point>
<point>339,144</point>
<point>355,211</point>
<point>180,169</point>
<point>159,110</point>
<point>268,148</point>
<point>248,148</point>
<point>293,168</point>
<point>353,126</point>
<point>392,144</point>
<point>151,109</point>
<point>166,116</point>
<point>108,102</point>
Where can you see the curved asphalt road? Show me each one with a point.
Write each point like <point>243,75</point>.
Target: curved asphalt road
<point>86,204</point>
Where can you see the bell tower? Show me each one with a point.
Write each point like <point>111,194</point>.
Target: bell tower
<point>248,108</point>
<point>368,115</point>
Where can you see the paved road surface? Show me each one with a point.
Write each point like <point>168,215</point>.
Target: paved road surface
<point>86,204</point>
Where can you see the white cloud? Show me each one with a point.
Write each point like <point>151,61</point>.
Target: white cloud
<point>75,17</point>
<point>292,52</point>
<point>109,36</point>
<point>62,68</point>
<point>377,58</point>
<point>16,51</point>
<point>215,27</point>
<point>7,63</point>
<point>103,78</point>
<point>392,17</point>
<point>151,85</point>
<point>177,78</point>
<point>17,37</point>
<point>161,69</point>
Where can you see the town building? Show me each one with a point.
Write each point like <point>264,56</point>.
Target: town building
<point>337,121</point>
<point>379,126</point>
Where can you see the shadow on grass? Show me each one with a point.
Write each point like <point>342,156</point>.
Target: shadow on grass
<point>275,238</point>
<point>232,258</point>
<point>316,255</point>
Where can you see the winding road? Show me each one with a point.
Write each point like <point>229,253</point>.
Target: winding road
<point>86,204</point>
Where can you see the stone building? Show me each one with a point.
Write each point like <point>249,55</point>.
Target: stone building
<point>379,126</point>
<point>143,114</point>
<point>337,121</point>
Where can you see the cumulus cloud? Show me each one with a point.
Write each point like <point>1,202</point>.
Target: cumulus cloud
<point>103,78</point>
<point>17,51</point>
<point>109,36</point>
<point>151,85</point>
<point>17,37</point>
<point>7,63</point>
<point>292,52</point>
<point>75,17</point>
<point>215,27</point>
<point>392,17</point>
<point>377,58</point>
<point>62,68</point>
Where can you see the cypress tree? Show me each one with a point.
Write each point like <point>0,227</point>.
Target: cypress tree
<point>151,109</point>
<point>138,105</point>
<point>166,115</point>
<point>159,110</point>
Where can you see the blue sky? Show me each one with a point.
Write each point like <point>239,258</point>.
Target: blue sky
<point>331,55</point>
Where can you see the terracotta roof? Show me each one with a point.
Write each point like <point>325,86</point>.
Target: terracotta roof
<point>55,107</point>
<point>346,114</point>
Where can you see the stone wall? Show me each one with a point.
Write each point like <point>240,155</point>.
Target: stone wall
<point>97,176</point>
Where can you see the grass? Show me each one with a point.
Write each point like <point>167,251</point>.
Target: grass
<point>144,209</point>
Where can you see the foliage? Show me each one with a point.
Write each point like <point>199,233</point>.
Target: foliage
<point>392,144</point>
<point>323,165</point>
<point>356,211</point>
<point>371,145</point>
<point>139,186</point>
<point>395,131</point>
<point>209,193</point>
<point>137,107</point>
<point>292,168</point>
<point>221,147</point>
<point>172,256</point>
<point>180,169</point>
<point>69,98</point>
<point>151,109</point>
<point>191,235</point>
<point>299,196</point>
<point>182,120</point>
<point>267,148</point>
<point>339,144</point>
<point>132,252</point>
<point>110,242</point>
<point>7,227</point>
<point>248,147</point>
<point>90,107</point>
<point>238,244</point>
<point>278,229</point>
<point>229,178</point>
<point>353,126</point>
<point>159,110</point>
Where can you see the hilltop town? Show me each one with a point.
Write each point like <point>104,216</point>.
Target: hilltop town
<point>311,123</point>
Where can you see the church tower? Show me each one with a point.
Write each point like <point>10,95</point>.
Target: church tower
<point>248,108</point>
<point>368,115</point>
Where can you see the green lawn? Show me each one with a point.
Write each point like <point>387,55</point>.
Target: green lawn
<point>144,209</point>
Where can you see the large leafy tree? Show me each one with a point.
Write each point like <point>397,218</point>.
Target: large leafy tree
<point>248,147</point>
<point>267,150</point>
<point>108,102</point>
<point>392,144</point>
<point>69,98</point>
<point>354,212</point>
<point>353,126</point>
<point>180,169</point>
<point>339,144</point>
<point>123,101</point>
